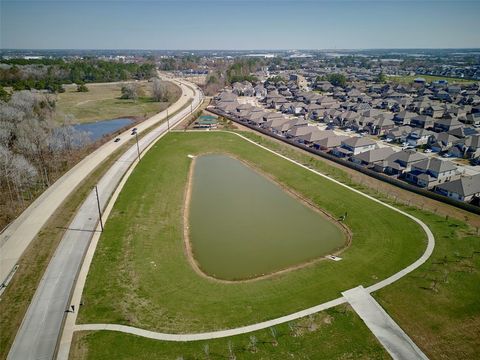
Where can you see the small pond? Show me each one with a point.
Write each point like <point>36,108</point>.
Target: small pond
<point>243,225</point>
<point>104,127</point>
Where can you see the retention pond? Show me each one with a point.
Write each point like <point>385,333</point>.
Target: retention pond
<point>243,225</point>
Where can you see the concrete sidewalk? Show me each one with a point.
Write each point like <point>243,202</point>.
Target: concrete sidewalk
<point>386,330</point>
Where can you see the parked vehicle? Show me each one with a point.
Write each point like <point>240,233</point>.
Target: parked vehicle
<point>116,140</point>
<point>427,151</point>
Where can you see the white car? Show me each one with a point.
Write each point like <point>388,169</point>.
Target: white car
<point>427,151</point>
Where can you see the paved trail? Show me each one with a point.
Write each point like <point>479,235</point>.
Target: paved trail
<point>386,330</point>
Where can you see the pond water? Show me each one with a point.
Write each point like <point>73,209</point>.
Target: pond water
<point>104,127</point>
<point>243,225</point>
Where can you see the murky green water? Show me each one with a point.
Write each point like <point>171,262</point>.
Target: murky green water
<point>243,225</point>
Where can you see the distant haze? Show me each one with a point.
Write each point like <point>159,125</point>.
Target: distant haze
<point>238,24</point>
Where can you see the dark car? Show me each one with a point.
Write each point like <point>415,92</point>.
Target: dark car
<point>117,140</point>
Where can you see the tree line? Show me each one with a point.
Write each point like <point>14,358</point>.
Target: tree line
<point>50,74</point>
<point>33,151</point>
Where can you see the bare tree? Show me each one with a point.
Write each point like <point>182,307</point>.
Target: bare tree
<point>130,91</point>
<point>160,90</point>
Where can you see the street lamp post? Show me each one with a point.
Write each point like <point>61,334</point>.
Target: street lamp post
<point>99,210</point>
<point>168,121</point>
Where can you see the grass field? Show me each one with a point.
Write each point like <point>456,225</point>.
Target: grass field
<point>140,275</point>
<point>333,334</point>
<point>102,101</point>
<point>408,79</point>
<point>437,304</point>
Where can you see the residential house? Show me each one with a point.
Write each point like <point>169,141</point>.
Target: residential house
<point>403,117</point>
<point>431,172</point>
<point>330,142</point>
<point>468,147</point>
<point>466,188</point>
<point>400,162</point>
<point>372,157</point>
<point>422,121</point>
<point>442,141</point>
<point>463,132</point>
<point>399,134</point>
<point>298,131</point>
<point>435,111</point>
<point>419,137</point>
<point>314,135</point>
<point>354,146</point>
<point>260,91</point>
<point>380,126</point>
<point>446,124</point>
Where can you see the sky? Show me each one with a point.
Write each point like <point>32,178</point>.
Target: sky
<point>239,24</point>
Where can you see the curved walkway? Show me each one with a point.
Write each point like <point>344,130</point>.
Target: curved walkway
<point>265,324</point>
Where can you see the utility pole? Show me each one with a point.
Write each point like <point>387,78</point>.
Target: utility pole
<point>138,148</point>
<point>99,210</point>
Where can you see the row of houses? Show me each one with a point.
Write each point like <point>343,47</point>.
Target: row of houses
<point>405,114</point>
<point>409,165</point>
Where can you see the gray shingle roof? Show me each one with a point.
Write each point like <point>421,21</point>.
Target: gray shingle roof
<point>375,155</point>
<point>435,164</point>
<point>358,142</point>
<point>465,186</point>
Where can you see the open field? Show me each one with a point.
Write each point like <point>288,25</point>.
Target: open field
<point>333,334</point>
<point>141,277</point>
<point>407,79</point>
<point>102,101</point>
<point>443,321</point>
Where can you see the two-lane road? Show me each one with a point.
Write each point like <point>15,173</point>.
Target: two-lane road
<point>42,325</point>
<point>20,233</point>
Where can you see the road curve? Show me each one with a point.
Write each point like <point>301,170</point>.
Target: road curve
<point>20,233</point>
<point>41,327</point>
<point>265,324</point>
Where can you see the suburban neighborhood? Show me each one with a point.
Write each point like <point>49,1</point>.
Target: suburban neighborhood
<point>426,134</point>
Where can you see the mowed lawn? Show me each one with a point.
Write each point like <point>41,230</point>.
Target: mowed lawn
<point>140,275</point>
<point>332,334</point>
<point>103,102</point>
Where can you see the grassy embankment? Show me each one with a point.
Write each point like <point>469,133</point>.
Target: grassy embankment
<point>17,296</point>
<point>140,275</point>
<point>102,101</point>
<point>437,304</point>
<point>408,79</point>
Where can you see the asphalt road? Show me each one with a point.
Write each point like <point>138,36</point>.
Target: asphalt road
<point>42,325</point>
<point>19,234</point>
